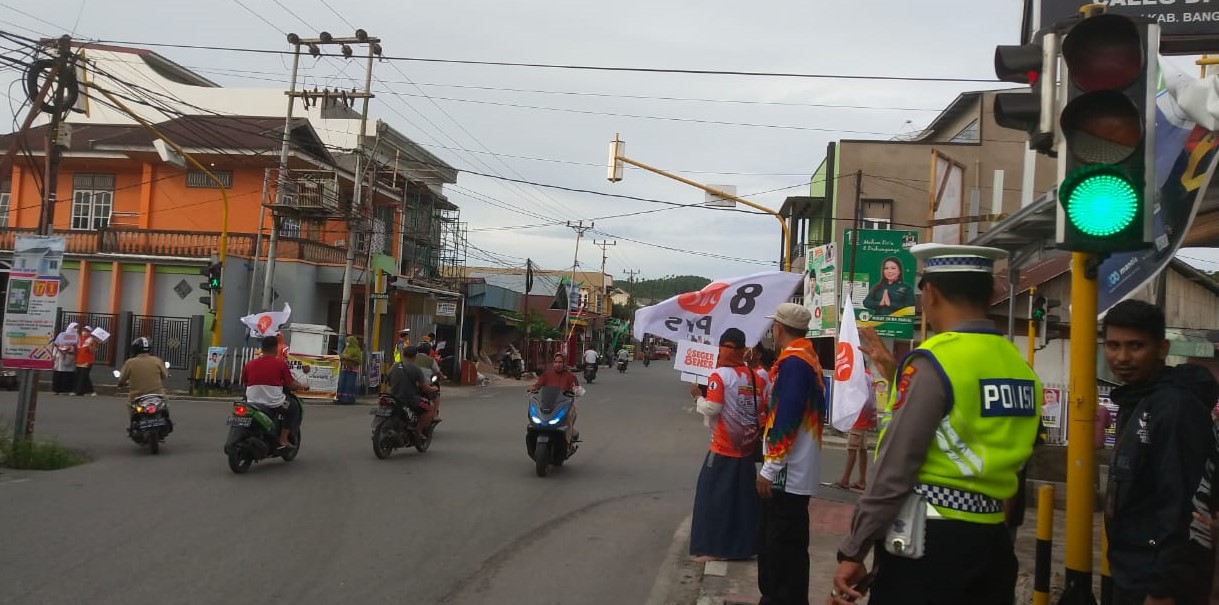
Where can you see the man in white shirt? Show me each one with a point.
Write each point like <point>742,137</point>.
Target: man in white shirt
<point>591,357</point>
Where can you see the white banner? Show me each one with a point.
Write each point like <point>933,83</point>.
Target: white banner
<point>267,323</point>
<point>32,302</point>
<point>696,358</point>
<point>851,384</point>
<point>739,302</point>
<point>821,290</point>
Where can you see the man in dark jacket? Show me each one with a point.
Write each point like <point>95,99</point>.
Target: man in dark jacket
<point>1164,438</point>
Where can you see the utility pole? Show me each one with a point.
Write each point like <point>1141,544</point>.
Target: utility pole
<point>631,273</point>
<point>27,398</point>
<point>281,178</point>
<point>603,296</point>
<point>579,227</point>
<point>358,188</point>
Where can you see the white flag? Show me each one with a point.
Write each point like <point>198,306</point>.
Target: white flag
<point>267,323</point>
<point>851,384</point>
<point>738,302</point>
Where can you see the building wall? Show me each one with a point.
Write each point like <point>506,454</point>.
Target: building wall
<point>901,171</point>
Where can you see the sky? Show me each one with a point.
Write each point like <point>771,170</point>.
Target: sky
<point>764,135</point>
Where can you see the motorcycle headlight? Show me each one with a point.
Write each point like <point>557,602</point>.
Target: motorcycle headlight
<point>558,417</point>
<point>533,414</point>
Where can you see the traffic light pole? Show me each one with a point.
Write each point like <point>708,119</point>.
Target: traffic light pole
<point>1081,421</point>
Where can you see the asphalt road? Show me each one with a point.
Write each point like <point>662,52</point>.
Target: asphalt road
<point>466,522</point>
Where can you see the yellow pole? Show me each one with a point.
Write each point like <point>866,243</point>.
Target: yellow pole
<point>224,197</point>
<point>1045,545</point>
<point>1082,418</point>
<point>787,263</point>
<point>1106,580</point>
<point>1032,327</point>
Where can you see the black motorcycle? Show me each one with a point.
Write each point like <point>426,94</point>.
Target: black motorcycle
<point>621,366</point>
<point>512,366</point>
<point>150,423</point>
<point>547,437</point>
<point>394,423</point>
<point>254,435</point>
<point>590,372</point>
<point>647,360</point>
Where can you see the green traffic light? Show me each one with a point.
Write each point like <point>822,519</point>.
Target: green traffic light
<point>1099,200</point>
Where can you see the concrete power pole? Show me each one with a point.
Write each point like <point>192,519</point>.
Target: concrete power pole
<point>603,296</point>
<point>579,227</point>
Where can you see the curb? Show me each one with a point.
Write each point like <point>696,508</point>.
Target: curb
<point>680,580</point>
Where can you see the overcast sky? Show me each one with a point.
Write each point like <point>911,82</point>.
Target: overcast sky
<point>468,120</point>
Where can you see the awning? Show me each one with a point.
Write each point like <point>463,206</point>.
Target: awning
<point>401,285</point>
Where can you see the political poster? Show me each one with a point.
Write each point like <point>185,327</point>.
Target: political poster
<point>375,359</point>
<point>32,302</point>
<point>321,374</point>
<point>821,290</point>
<point>1051,408</point>
<point>215,358</point>
<point>879,276</point>
<point>738,302</point>
<point>696,358</point>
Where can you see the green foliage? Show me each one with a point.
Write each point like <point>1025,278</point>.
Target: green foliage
<point>37,455</point>
<point>664,287</point>
<point>538,327</point>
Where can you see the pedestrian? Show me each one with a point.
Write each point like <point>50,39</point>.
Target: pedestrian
<point>404,340</point>
<point>724,525</point>
<point>349,377</point>
<point>86,353</point>
<point>63,381</point>
<point>1164,439</point>
<point>857,441</point>
<point>792,468</point>
<point>954,435</point>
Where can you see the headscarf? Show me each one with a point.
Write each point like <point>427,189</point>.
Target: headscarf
<point>69,337</point>
<point>352,353</point>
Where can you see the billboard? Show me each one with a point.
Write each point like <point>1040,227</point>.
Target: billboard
<point>32,302</point>
<point>1186,26</point>
<point>821,290</point>
<point>879,276</point>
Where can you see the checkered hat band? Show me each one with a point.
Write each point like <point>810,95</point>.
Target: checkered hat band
<point>955,499</point>
<point>960,262</point>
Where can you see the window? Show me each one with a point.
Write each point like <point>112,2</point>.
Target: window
<point>969,134</point>
<point>289,226</point>
<point>198,179</point>
<point>92,201</point>
<point>5,188</point>
<point>876,214</point>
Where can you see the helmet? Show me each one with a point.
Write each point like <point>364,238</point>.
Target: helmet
<point>140,346</point>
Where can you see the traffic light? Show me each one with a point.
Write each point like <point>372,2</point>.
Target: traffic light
<point>1108,126</point>
<point>1035,64</point>
<point>1037,308</point>
<point>214,273</point>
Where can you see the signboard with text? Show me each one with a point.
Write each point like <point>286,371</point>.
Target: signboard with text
<point>1051,408</point>
<point>879,276</point>
<point>1186,26</point>
<point>321,374</point>
<point>695,358</point>
<point>821,290</point>
<point>32,302</point>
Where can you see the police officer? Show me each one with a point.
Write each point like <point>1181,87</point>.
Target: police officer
<point>958,427</point>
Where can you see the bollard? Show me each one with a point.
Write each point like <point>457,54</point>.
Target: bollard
<point>1106,580</point>
<point>1045,545</point>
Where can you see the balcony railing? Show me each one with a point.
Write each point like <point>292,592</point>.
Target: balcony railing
<point>184,244</point>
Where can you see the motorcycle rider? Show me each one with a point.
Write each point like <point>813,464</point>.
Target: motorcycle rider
<point>425,360</point>
<point>624,356</point>
<point>408,384</point>
<point>145,373</point>
<point>591,358</point>
<point>265,378</point>
<point>557,375</point>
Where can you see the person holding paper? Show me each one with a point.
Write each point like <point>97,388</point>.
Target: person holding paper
<point>954,436</point>
<point>86,352</point>
<point>64,380</point>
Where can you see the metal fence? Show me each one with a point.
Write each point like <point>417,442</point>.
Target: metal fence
<point>170,337</point>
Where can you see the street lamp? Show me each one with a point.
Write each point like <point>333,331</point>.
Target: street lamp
<point>615,165</point>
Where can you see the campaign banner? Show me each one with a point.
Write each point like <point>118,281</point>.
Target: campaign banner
<point>1051,408</point>
<point>321,374</point>
<point>696,358</point>
<point>375,359</point>
<point>738,302</point>
<point>821,290</point>
<point>215,357</point>
<point>1185,160</point>
<point>879,276</point>
<point>32,302</point>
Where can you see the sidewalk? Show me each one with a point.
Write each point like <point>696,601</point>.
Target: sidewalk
<point>830,512</point>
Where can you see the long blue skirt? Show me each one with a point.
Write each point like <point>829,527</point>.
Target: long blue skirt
<point>727,509</point>
<point>349,381</point>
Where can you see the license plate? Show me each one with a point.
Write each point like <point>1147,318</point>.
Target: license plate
<point>240,421</point>
<point>144,424</point>
<point>383,412</point>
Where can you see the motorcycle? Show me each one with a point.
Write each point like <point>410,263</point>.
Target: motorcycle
<point>621,366</point>
<point>590,372</point>
<point>512,366</point>
<point>254,435</point>
<point>150,423</point>
<point>547,437</point>
<point>647,360</point>
<point>393,426</point>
